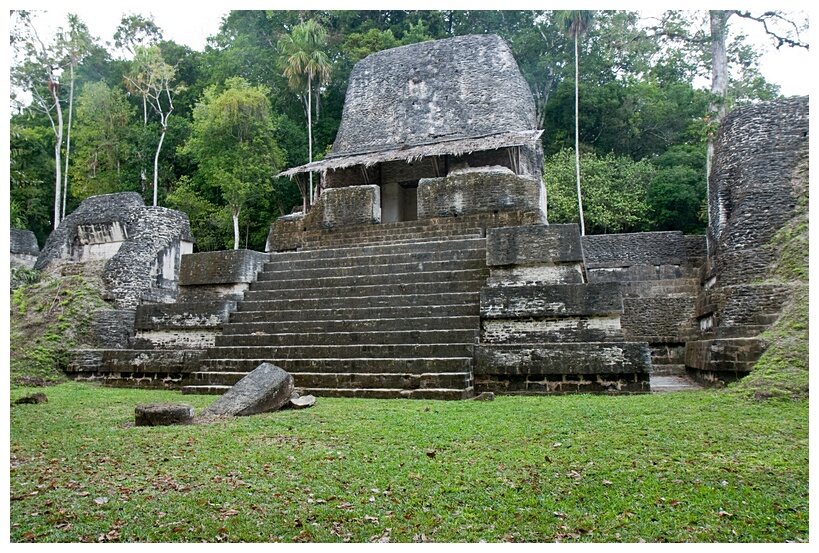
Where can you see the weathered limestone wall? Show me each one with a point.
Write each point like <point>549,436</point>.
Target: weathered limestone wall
<point>351,205</point>
<point>159,344</point>
<point>431,91</point>
<point>750,190</point>
<point>759,169</point>
<point>658,275</point>
<point>285,233</point>
<point>136,248</point>
<point>145,268</point>
<point>23,248</point>
<point>543,328</point>
<point>478,191</point>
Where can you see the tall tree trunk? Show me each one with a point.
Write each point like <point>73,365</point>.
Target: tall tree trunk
<point>52,86</point>
<point>310,131</point>
<point>236,211</point>
<point>156,162</point>
<point>577,136</point>
<point>719,87</point>
<point>68,138</point>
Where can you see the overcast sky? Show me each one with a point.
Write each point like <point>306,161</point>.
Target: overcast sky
<point>192,23</point>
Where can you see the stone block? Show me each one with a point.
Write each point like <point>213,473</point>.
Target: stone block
<point>113,328</point>
<point>163,414</point>
<point>477,192</point>
<point>24,249</point>
<point>285,233</point>
<point>266,388</point>
<point>521,302</point>
<point>563,359</point>
<point>220,267</point>
<point>184,316</point>
<point>724,355</point>
<point>639,248</point>
<point>534,244</point>
<point>351,205</point>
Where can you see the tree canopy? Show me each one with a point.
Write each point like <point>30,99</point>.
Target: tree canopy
<point>640,114</point>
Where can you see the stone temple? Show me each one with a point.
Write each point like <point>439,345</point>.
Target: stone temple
<point>427,268</point>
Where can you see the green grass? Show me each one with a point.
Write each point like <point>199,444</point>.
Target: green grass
<point>706,466</point>
<point>48,318</point>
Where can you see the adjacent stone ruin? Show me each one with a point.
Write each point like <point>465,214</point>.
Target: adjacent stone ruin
<point>136,249</point>
<point>759,173</point>
<point>24,248</point>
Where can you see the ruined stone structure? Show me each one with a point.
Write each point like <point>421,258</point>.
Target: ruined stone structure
<point>24,248</point>
<point>759,174</point>
<point>458,137</point>
<point>426,269</point>
<point>136,249</point>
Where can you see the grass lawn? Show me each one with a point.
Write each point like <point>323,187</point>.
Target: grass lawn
<point>707,466</point>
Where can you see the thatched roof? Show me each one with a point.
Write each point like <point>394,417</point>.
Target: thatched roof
<point>443,97</point>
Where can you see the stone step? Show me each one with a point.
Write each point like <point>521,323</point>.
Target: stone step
<point>333,281</point>
<point>314,325</point>
<point>365,290</point>
<point>391,337</point>
<point>419,301</point>
<point>667,369</point>
<point>355,258</point>
<point>393,393</point>
<point>396,238</point>
<point>352,314</point>
<point>419,226</point>
<point>351,351</point>
<point>205,389</point>
<point>365,393</point>
<point>383,250</point>
<point>390,269</point>
<point>407,365</point>
<point>346,380</point>
<point>673,383</point>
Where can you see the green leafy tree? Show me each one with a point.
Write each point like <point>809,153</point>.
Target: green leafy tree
<point>78,42</point>
<point>104,141</point>
<point>233,143</point>
<point>38,73</point>
<point>615,186</point>
<point>151,77</point>
<point>306,65</point>
<point>575,23</point>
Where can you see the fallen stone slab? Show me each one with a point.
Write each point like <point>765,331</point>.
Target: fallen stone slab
<point>484,396</point>
<point>163,414</point>
<point>38,397</point>
<point>266,388</point>
<point>302,402</point>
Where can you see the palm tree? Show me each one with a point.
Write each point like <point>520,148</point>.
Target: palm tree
<point>303,60</point>
<point>575,23</point>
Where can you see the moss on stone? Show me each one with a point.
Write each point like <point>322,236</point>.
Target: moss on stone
<point>49,318</point>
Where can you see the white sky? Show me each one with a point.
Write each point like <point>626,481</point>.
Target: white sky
<point>192,23</point>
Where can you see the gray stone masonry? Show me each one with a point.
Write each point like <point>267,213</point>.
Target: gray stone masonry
<point>544,330</point>
<point>533,244</point>
<point>758,175</point>
<point>140,247</point>
<point>266,388</point>
<point>24,248</point>
<point>220,267</point>
<point>352,205</point>
<point>466,86</point>
<point>476,192</point>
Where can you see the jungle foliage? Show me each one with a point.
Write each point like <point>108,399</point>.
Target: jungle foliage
<point>639,112</point>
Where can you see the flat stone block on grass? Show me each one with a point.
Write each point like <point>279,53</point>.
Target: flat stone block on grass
<point>266,388</point>
<point>163,414</point>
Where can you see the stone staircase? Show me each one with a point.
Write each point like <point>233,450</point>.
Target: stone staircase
<point>382,312</point>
